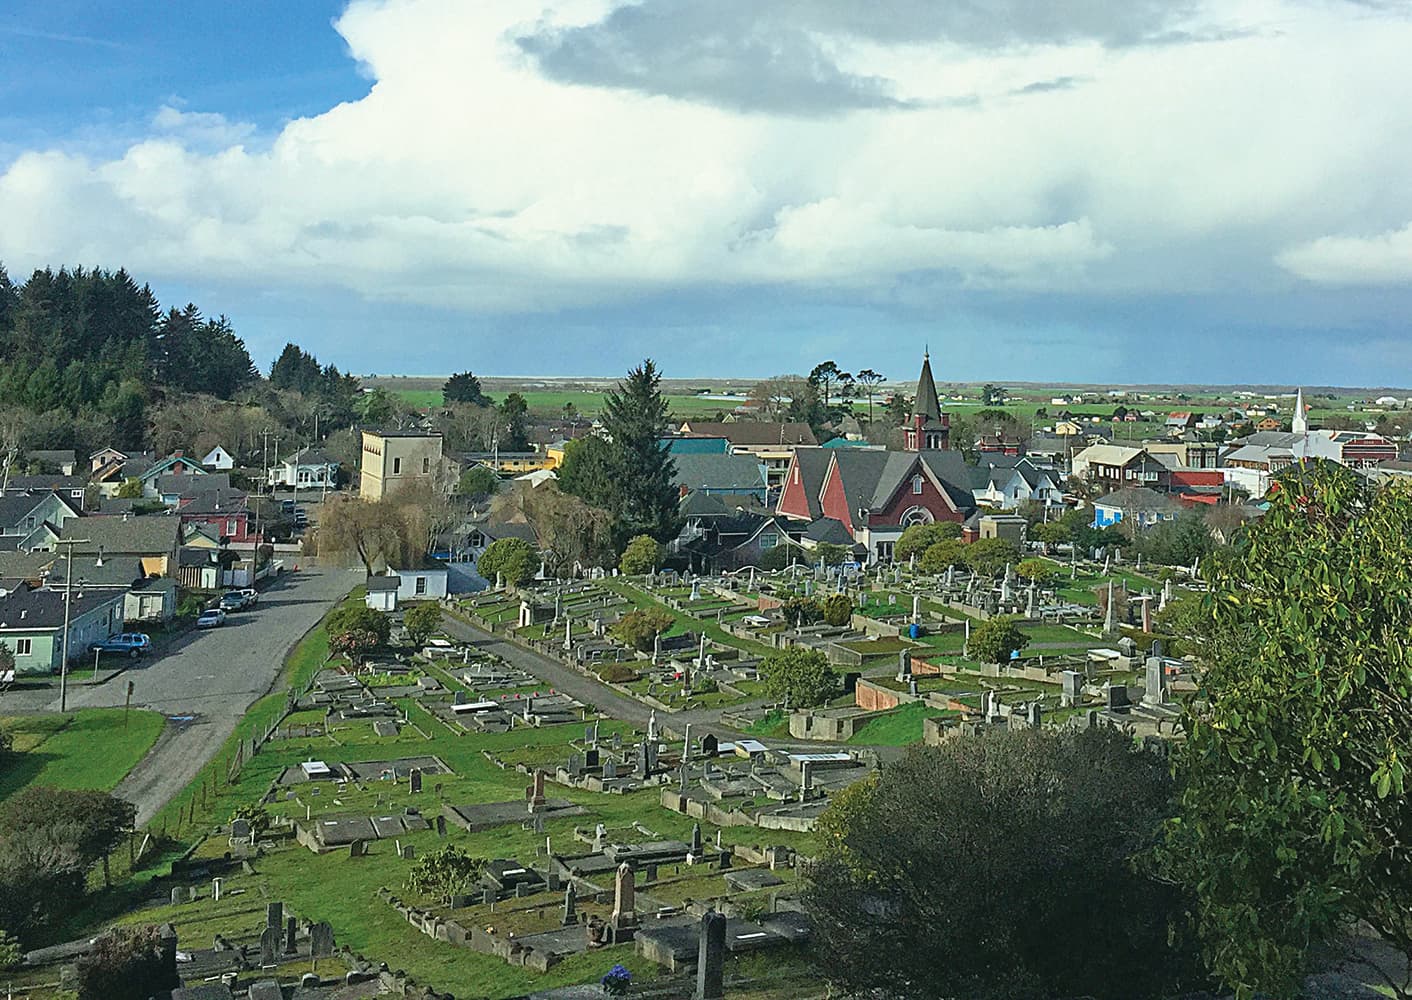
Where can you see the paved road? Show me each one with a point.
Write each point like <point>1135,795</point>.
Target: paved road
<point>205,682</point>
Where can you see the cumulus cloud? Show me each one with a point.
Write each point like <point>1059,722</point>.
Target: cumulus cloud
<point>476,175</point>
<point>1385,259</point>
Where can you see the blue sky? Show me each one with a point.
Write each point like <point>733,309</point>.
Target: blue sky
<point>1152,191</point>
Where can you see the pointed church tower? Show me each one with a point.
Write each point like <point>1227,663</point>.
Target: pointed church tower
<point>929,428</point>
<point>1300,423</point>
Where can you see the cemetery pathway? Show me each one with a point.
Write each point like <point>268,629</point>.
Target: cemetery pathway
<point>207,680</point>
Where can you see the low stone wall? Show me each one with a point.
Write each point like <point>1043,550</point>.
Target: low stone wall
<point>474,938</point>
<point>715,815</point>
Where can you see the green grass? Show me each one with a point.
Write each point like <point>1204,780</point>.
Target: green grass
<point>774,723</point>
<point>588,404</point>
<point>89,749</point>
<point>684,622</point>
<point>897,728</point>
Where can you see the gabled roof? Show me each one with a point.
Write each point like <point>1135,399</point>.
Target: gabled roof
<point>753,433</point>
<point>226,501</point>
<point>829,531</point>
<point>871,478</point>
<point>45,484</point>
<point>310,456</point>
<point>43,610</point>
<point>152,534</point>
<point>812,465</point>
<point>1108,454</point>
<point>1138,498</point>
<point>718,472</point>
<point>179,485</point>
<point>160,467</point>
<point>15,507</point>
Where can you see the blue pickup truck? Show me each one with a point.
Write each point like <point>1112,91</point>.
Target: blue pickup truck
<point>132,644</point>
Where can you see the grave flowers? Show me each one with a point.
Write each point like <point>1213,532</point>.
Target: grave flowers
<point>615,982</point>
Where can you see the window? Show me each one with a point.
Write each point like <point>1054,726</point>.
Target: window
<point>397,466</point>
<point>421,585</point>
<point>231,528</point>
<point>917,485</point>
<point>23,647</point>
<point>769,540</point>
<point>426,466</point>
<point>796,475</point>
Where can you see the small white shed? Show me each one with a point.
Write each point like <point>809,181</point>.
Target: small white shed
<point>426,581</point>
<point>382,592</point>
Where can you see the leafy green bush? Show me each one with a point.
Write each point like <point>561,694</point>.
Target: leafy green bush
<point>514,559</point>
<point>642,556</point>
<point>837,609</point>
<point>801,677</point>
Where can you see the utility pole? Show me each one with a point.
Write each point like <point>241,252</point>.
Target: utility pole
<point>68,604</point>
<point>259,503</point>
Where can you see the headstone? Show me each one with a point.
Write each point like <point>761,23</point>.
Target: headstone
<point>239,829</point>
<point>215,890</point>
<point>610,769</point>
<point>320,940</point>
<point>710,746</point>
<point>291,929</point>
<point>1118,697</point>
<point>1034,714</point>
<point>570,913</point>
<point>711,958</point>
<point>179,895</point>
<point>356,849</point>
<point>652,726</point>
<point>904,664</point>
<point>600,837</point>
<point>269,945</point>
<point>266,989</point>
<point>696,838</point>
<point>415,780</point>
<point>1071,689</point>
<point>1155,692</point>
<point>624,912</point>
<point>274,915</point>
<point>1110,615</point>
<point>535,793</point>
<point>409,852</point>
<point>651,873</point>
<point>458,697</point>
<point>440,825</point>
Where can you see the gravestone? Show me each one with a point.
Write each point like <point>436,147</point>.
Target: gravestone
<point>320,940</point>
<point>696,839</point>
<point>239,829</point>
<point>1118,698</point>
<point>1072,689</point>
<point>724,857</point>
<point>610,769</point>
<point>624,888</point>
<point>710,746</point>
<point>274,915</point>
<point>600,837</point>
<point>459,697</point>
<point>1034,714</point>
<point>651,875</point>
<point>590,757</point>
<point>409,852</point>
<point>904,665</point>
<point>535,792</point>
<point>570,913</point>
<point>269,945</point>
<point>291,929</point>
<point>1155,692</point>
<point>356,849</point>
<point>415,780</point>
<point>652,726</point>
<point>179,895</point>
<point>711,958</point>
<point>266,989</point>
<point>215,890</point>
<point>487,897</point>
<point>440,825</point>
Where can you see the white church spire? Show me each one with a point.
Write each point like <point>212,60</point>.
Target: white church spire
<point>1300,423</point>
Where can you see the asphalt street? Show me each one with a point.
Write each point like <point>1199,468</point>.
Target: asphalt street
<point>204,682</point>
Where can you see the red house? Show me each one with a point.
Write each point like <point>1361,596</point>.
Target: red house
<point>226,512</point>
<point>874,495</point>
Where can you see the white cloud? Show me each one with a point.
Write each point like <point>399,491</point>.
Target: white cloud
<point>468,178</point>
<point>1385,259</point>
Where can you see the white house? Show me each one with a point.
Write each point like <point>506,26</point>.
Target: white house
<point>424,581</point>
<point>219,459</point>
<point>307,468</point>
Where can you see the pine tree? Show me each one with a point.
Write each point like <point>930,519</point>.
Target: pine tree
<point>635,421</point>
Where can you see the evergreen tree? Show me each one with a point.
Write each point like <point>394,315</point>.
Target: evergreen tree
<point>463,387</point>
<point>514,414</point>
<point>635,422</point>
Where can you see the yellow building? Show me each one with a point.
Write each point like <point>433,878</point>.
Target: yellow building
<point>394,458</point>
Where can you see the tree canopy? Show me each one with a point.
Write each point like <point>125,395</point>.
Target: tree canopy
<point>514,559</point>
<point>1041,828</point>
<point>463,387</point>
<point>802,677</point>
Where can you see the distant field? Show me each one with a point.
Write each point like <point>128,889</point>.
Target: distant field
<point>589,404</point>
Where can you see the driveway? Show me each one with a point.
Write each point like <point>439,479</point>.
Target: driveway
<point>205,681</point>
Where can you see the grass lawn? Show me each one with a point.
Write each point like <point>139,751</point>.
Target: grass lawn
<point>897,728</point>
<point>89,749</point>
<point>588,404</point>
<point>684,622</point>
<point>774,723</point>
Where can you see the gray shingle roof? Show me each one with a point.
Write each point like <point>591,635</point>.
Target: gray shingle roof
<point>151,534</point>
<point>1138,498</point>
<point>718,472</point>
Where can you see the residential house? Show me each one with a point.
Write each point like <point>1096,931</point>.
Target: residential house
<point>724,474</point>
<point>1006,483</point>
<point>394,458</point>
<point>505,463</point>
<point>877,494</point>
<point>1183,420</point>
<point>1134,505</point>
<point>175,464</point>
<point>219,459</point>
<point>24,518</point>
<point>110,468</point>
<point>145,599</point>
<point>1268,424</point>
<point>170,489</point>
<point>739,539</point>
<point>1187,454</point>
<point>225,512</point>
<point>152,539</point>
<point>307,468</point>
<point>74,489</point>
<point>1115,466</point>
<point>771,443</point>
<point>679,446</point>
<point>32,625</point>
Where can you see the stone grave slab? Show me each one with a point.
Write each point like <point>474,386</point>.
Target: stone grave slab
<point>488,815</point>
<point>750,879</point>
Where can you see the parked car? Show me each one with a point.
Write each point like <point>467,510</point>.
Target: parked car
<point>301,517</point>
<point>133,644</point>
<point>210,618</point>
<point>251,595</point>
<point>233,600</point>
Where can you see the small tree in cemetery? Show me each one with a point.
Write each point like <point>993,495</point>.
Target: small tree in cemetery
<point>639,628</point>
<point>255,816</point>
<point>801,677</point>
<point>1024,820</point>
<point>829,554</point>
<point>11,952</point>
<point>917,538</point>
<point>799,611</point>
<point>996,639</point>
<point>127,963</point>
<point>422,622</point>
<point>642,556</point>
<point>990,556</point>
<point>358,617</point>
<point>782,556</point>
<point>1037,571</point>
<point>837,610</point>
<point>446,872</point>
<point>512,558</point>
<point>941,555</point>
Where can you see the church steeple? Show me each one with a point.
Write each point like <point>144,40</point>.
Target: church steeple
<point>929,428</point>
<point>1300,423</point>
